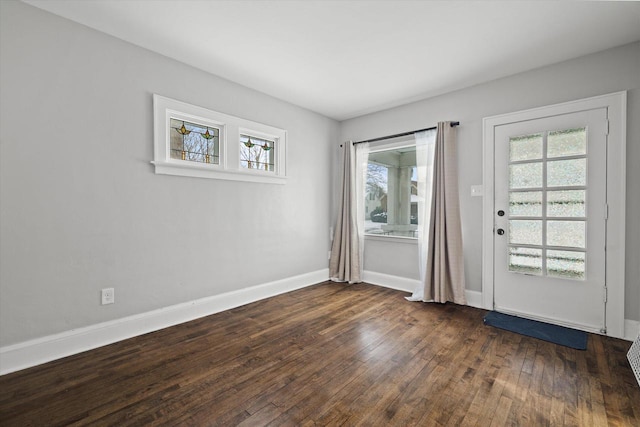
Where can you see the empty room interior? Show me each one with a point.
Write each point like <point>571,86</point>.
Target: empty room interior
<point>377,213</point>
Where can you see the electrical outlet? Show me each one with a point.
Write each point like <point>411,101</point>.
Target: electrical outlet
<point>477,190</point>
<point>108,296</point>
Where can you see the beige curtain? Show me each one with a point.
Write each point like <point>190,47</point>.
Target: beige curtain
<point>346,262</point>
<point>440,232</point>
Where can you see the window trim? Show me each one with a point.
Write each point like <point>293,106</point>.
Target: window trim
<point>230,127</point>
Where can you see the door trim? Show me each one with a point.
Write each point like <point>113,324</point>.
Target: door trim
<point>616,105</point>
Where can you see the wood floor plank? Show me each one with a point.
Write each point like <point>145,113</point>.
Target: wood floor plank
<point>502,412</point>
<point>585,414</point>
<point>330,354</point>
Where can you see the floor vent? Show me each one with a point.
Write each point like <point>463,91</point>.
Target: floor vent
<point>634,358</point>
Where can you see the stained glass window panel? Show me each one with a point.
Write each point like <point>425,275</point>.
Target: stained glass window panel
<point>569,142</point>
<point>525,175</point>
<point>566,233</point>
<point>565,173</point>
<point>194,142</point>
<point>568,203</point>
<point>257,153</point>
<point>525,260</point>
<point>567,264</point>
<point>526,147</point>
<point>527,232</point>
<point>525,203</point>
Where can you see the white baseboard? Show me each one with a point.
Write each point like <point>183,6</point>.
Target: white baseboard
<point>388,281</point>
<point>474,298</point>
<point>631,329</point>
<point>41,350</point>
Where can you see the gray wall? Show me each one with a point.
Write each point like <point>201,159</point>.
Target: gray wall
<point>601,73</point>
<point>81,208</point>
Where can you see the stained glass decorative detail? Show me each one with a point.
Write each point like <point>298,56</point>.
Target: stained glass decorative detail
<point>194,142</point>
<point>257,153</point>
<point>566,264</point>
<point>525,260</point>
<point>525,175</point>
<point>564,173</point>
<point>525,203</point>
<point>566,233</point>
<point>525,147</point>
<point>567,203</point>
<point>525,232</point>
<point>568,142</point>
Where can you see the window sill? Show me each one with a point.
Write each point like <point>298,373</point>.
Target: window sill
<point>392,239</point>
<point>197,170</point>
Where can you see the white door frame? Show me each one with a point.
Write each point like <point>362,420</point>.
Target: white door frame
<point>616,104</point>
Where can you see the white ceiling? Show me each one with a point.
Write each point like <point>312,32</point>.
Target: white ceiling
<point>347,58</point>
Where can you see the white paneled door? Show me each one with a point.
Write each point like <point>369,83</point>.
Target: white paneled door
<point>550,195</point>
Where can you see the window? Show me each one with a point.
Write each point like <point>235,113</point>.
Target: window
<point>257,153</point>
<point>197,142</point>
<point>391,190</point>
<point>194,142</point>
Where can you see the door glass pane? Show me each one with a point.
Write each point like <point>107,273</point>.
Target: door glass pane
<point>525,203</point>
<point>566,233</point>
<point>525,260</point>
<point>525,175</point>
<point>566,264</point>
<point>526,147</point>
<point>528,232</point>
<point>567,172</point>
<point>569,203</point>
<point>568,142</point>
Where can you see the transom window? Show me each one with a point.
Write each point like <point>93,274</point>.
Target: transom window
<point>257,153</point>
<point>194,142</point>
<point>197,142</point>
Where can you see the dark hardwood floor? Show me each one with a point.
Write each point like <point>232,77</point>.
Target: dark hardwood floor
<point>331,354</point>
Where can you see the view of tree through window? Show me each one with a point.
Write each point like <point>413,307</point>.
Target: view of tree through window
<point>391,207</point>
<point>194,142</point>
<point>256,153</point>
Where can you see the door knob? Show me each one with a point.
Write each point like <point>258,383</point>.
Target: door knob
<point>500,231</point>
<point>500,212</point>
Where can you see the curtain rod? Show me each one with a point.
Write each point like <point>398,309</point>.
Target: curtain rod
<point>453,124</point>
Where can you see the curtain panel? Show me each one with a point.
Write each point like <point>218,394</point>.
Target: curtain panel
<point>346,261</point>
<point>441,262</point>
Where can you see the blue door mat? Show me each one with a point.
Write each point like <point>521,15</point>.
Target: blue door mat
<point>543,331</point>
